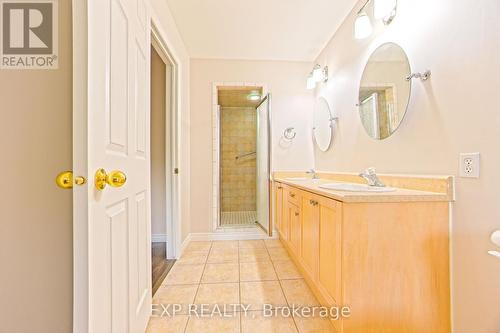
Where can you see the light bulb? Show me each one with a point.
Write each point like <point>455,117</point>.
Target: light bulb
<point>362,26</point>
<point>384,8</point>
<point>311,84</point>
<point>318,74</point>
<point>253,97</point>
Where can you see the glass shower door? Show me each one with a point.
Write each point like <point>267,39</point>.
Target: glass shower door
<point>263,161</point>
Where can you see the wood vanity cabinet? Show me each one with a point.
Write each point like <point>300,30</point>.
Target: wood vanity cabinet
<point>292,218</point>
<point>387,261</point>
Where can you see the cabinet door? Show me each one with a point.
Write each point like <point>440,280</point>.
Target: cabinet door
<point>310,234</point>
<point>295,227</point>
<point>330,222</point>
<point>278,206</point>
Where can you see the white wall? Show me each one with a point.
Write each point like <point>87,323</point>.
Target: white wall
<point>291,106</point>
<point>459,40</point>
<point>165,23</point>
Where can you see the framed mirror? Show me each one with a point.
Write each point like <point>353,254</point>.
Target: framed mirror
<point>323,124</point>
<point>384,91</point>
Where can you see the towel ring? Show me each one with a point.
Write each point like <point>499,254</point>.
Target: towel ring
<point>289,133</point>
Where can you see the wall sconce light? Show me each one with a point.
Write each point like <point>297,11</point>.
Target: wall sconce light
<point>311,84</point>
<point>363,26</point>
<point>318,74</point>
<point>385,10</point>
<point>382,9</point>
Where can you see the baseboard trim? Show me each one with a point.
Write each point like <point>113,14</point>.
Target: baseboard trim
<point>225,235</point>
<point>159,238</point>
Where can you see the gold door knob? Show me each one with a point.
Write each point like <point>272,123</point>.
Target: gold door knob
<point>65,180</point>
<point>115,178</point>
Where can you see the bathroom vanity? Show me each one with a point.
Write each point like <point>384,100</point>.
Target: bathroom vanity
<point>384,255</point>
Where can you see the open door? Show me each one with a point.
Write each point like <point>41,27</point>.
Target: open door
<point>112,242</point>
<point>264,163</point>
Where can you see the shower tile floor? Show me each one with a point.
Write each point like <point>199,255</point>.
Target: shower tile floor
<point>238,218</point>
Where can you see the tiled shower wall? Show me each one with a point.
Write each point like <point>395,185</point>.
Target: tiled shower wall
<point>238,177</point>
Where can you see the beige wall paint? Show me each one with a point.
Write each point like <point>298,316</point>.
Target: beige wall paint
<point>291,105</point>
<point>453,112</point>
<point>158,144</point>
<point>35,215</point>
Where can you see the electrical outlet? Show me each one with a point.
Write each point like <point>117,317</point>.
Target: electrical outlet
<point>469,165</point>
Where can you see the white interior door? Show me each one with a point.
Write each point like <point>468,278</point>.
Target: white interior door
<point>112,251</point>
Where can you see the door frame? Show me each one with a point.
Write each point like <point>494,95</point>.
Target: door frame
<point>80,161</point>
<point>216,131</point>
<point>172,111</point>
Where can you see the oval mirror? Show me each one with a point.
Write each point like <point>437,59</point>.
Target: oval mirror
<point>384,91</point>
<point>323,124</point>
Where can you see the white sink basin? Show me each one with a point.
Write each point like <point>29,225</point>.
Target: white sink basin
<point>351,187</point>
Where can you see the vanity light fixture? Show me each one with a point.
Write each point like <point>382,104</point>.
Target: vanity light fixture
<point>320,74</point>
<point>311,84</point>
<point>385,10</point>
<point>362,26</point>
<point>382,9</point>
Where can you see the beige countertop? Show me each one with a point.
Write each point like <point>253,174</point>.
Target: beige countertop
<point>400,195</point>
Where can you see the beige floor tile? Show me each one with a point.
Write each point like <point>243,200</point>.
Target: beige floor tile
<point>314,325</point>
<point>253,254</point>
<point>298,293</point>
<point>184,274</point>
<point>198,246</point>
<point>223,255</point>
<point>286,270</point>
<point>175,324</point>
<point>176,294</point>
<point>223,245</point>
<point>215,324</point>
<point>193,257</point>
<point>252,244</point>
<point>256,322</point>
<point>257,271</point>
<point>271,243</point>
<point>222,294</point>
<point>278,253</point>
<point>220,273</point>
<point>256,294</point>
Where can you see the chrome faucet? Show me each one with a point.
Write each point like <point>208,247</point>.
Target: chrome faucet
<point>313,173</point>
<point>371,177</point>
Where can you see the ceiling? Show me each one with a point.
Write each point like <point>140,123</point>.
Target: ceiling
<point>238,96</point>
<point>259,29</point>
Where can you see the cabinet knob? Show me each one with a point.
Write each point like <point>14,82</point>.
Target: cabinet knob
<point>296,214</point>
<point>292,195</point>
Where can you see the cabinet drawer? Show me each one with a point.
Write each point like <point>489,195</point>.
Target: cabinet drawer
<point>292,195</point>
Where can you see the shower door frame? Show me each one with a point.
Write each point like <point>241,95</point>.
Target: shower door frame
<point>216,196</point>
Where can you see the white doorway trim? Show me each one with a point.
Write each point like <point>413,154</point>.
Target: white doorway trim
<point>216,146</point>
<point>172,151</point>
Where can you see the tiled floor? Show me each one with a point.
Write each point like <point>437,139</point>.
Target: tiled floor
<point>252,273</point>
<point>239,218</point>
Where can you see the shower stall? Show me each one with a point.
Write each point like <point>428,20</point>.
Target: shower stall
<point>244,157</point>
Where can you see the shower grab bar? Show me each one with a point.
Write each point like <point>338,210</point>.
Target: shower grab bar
<point>245,155</point>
